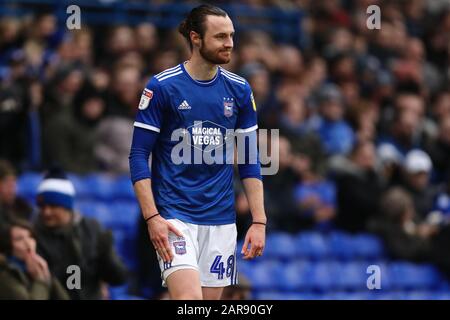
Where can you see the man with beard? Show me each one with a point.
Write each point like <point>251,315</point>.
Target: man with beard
<point>189,206</point>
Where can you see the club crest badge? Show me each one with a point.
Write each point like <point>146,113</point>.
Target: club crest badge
<point>228,105</point>
<point>180,247</point>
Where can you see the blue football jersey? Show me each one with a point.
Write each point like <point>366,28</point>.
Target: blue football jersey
<point>196,193</point>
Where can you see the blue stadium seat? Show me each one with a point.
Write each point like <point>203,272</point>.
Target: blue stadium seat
<point>350,275</point>
<point>126,248</point>
<point>244,266</point>
<point>317,277</point>
<point>341,246</point>
<point>264,275</point>
<point>342,295</point>
<point>291,277</point>
<point>121,293</point>
<point>116,292</point>
<point>124,214</point>
<point>385,295</point>
<point>273,295</point>
<point>95,209</point>
<point>82,189</point>
<point>441,295</point>
<point>123,188</point>
<point>409,276</point>
<point>100,186</point>
<point>280,245</point>
<point>311,245</point>
<point>419,295</point>
<point>28,183</point>
<point>368,246</point>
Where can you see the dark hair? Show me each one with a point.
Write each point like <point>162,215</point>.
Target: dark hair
<point>195,21</point>
<point>394,204</point>
<point>6,169</point>
<point>5,234</point>
<point>358,145</point>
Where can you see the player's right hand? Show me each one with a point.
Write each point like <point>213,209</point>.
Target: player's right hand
<point>158,229</point>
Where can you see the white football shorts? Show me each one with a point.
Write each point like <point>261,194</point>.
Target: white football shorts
<point>211,250</point>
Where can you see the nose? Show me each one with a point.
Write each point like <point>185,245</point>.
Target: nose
<point>46,210</point>
<point>229,42</point>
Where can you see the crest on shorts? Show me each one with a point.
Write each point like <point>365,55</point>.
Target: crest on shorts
<point>180,247</point>
<point>228,104</point>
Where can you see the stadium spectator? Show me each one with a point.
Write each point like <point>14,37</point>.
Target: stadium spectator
<point>123,99</point>
<point>71,138</point>
<point>24,275</point>
<point>15,112</point>
<point>147,39</point>
<point>67,238</point>
<point>315,196</point>
<point>417,170</point>
<point>408,129</point>
<point>406,235</point>
<point>439,151</point>
<point>60,95</point>
<point>279,191</point>
<point>441,206</point>
<point>389,163</point>
<point>335,133</point>
<point>358,188</point>
<point>11,205</point>
<point>113,144</point>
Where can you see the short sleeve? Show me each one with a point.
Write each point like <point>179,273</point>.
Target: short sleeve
<point>247,119</point>
<point>151,107</point>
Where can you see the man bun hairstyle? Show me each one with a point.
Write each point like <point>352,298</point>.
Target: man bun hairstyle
<point>195,21</point>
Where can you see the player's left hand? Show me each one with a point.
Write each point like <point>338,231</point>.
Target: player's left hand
<point>256,238</point>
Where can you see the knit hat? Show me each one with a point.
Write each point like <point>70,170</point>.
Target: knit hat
<point>418,161</point>
<point>56,189</point>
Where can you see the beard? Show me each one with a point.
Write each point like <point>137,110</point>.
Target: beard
<point>213,56</point>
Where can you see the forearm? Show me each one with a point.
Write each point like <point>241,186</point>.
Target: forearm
<point>253,188</point>
<point>144,194</point>
<point>141,147</point>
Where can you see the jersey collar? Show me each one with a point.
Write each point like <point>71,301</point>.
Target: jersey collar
<point>201,83</point>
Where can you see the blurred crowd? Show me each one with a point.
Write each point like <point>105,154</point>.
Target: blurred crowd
<point>364,115</point>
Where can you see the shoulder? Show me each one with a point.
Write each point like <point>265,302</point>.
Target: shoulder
<point>234,79</point>
<point>88,225</point>
<point>165,77</point>
<point>3,261</point>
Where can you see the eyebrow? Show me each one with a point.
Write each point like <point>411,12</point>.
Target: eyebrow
<point>224,33</point>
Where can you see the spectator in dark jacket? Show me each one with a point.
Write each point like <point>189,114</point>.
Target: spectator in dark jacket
<point>358,188</point>
<point>417,170</point>
<point>66,238</point>
<point>70,137</point>
<point>406,235</point>
<point>24,275</point>
<point>11,205</point>
<point>439,150</point>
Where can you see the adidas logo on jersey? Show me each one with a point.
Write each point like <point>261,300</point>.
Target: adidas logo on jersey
<point>184,106</point>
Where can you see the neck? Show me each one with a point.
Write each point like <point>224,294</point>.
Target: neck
<point>199,69</point>
<point>309,177</point>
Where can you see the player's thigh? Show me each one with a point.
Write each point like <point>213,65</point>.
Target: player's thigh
<point>184,249</point>
<point>184,284</point>
<point>217,259</point>
<point>210,293</point>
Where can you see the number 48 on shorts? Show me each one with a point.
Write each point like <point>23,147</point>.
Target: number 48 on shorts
<point>219,268</point>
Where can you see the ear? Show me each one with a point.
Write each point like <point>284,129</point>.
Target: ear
<point>195,38</point>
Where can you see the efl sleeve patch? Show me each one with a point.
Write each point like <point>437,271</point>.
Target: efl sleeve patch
<point>146,96</point>
<point>253,101</point>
